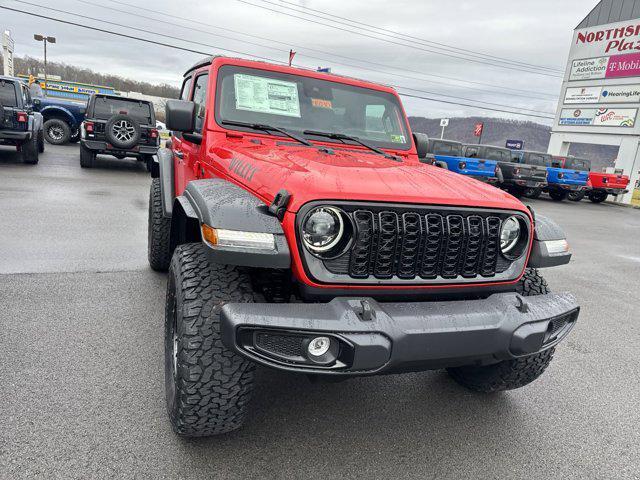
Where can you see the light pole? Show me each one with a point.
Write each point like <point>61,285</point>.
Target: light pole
<point>45,39</point>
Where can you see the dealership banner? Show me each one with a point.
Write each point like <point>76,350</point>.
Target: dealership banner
<point>609,94</point>
<point>599,117</point>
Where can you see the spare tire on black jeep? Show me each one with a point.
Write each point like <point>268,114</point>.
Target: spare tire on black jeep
<point>122,131</point>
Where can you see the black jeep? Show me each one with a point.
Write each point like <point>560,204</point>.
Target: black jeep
<point>122,127</point>
<point>20,125</point>
<point>517,176</point>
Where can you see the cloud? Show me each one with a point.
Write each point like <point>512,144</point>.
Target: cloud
<point>534,32</point>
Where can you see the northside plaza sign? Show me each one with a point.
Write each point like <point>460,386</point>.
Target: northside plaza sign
<point>613,39</point>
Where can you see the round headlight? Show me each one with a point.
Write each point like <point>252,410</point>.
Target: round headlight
<point>510,234</point>
<point>322,229</point>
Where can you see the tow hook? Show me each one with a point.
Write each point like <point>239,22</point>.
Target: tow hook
<point>521,304</point>
<point>364,311</point>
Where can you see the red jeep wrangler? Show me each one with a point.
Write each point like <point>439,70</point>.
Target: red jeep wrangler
<point>302,233</point>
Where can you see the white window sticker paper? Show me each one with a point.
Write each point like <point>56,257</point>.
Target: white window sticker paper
<point>266,95</point>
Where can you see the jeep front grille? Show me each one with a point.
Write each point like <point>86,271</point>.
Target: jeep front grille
<point>422,244</point>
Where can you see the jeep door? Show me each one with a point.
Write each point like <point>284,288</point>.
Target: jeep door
<point>191,165</point>
<point>177,142</point>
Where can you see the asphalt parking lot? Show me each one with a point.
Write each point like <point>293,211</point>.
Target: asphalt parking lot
<point>81,366</point>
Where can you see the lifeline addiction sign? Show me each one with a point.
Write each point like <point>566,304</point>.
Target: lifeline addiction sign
<point>616,66</point>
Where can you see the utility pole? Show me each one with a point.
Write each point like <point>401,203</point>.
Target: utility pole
<point>45,39</point>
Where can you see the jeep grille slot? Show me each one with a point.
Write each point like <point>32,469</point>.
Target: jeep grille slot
<point>423,245</point>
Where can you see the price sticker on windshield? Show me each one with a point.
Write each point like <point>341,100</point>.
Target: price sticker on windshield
<point>266,95</point>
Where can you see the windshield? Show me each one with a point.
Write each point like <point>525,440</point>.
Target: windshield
<point>446,148</point>
<point>106,108</point>
<point>539,159</point>
<point>577,164</point>
<point>298,103</point>
<point>36,91</point>
<point>8,94</point>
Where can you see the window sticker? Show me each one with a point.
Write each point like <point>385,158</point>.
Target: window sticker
<point>398,138</point>
<point>266,95</point>
<point>320,103</point>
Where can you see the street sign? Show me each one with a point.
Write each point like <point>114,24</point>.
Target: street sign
<point>515,144</point>
<point>477,131</point>
<point>444,122</point>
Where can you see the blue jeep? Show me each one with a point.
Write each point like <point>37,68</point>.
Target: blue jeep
<point>561,182</point>
<point>448,154</point>
<point>62,118</point>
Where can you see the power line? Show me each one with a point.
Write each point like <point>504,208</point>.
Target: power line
<point>86,17</point>
<point>401,44</point>
<point>331,54</point>
<point>132,37</point>
<point>395,34</point>
<point>472,106</point>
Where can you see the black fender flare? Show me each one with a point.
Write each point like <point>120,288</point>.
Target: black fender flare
<point>548,238</point>
<point>222,205</point>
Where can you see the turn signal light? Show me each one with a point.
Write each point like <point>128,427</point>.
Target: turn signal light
<point>88,126</point>
<point>153,133</point>
<point>22,117</point>
<point>219,237</point>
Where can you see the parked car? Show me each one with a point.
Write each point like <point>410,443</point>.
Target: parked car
<point>539,162</point>
<point>20,125</point>
<point>516,177</point>
<point>601,184</point>
<point>118,126</point>
<point>561,182</point>
<point>448,154</point>
<point>302,233</point>
<point>62,118</point>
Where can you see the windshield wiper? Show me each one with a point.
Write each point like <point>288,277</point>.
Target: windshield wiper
<point>268,128</point>
<point>342,136</point>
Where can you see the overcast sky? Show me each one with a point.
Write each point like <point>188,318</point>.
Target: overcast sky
<point>537,33</point>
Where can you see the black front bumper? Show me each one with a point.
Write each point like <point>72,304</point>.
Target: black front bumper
<point>371,337</point>
<point>99,146</point>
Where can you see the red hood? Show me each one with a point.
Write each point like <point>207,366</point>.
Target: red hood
<point>309,174</point>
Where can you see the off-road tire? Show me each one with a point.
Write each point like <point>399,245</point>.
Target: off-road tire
<point>159,234</point>
<point>87,157</point>
<point>29,151</point>
<point>509,374</point>
<point>116,142</point>
<point>530,192</point>
<point>576,196</point>
<point>598,197</point>
<point>208,391</point>
<point>557,195</point>
<point>60,125</point>
<point>41,141</point>
<point>516,191</point>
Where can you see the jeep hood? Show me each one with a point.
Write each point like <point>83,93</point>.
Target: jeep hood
<point>351,174</point>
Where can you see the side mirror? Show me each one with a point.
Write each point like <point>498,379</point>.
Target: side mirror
<point>422,144</point>
<point>180,116</point>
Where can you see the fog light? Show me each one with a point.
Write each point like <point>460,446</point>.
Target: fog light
<point>318,346</point>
